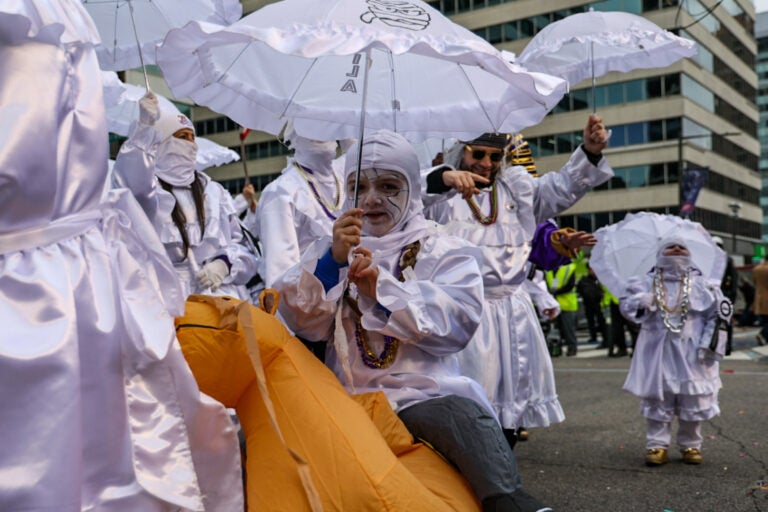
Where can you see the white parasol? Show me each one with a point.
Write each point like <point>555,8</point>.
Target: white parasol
<point>130,29</point>
<point>591,44</point>
<point>628,248</point>
<point>306,60</point>
<point>121,102</point>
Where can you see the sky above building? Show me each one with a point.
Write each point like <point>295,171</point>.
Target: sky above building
<point>761,5</point>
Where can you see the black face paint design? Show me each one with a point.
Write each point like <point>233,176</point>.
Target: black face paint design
<point>383,196</point>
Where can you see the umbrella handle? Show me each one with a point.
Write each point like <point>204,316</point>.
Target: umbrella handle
<point>138,44</point>
<point>362,124</point>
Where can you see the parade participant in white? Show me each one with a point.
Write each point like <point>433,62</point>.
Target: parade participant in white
<point>498,210</point>
<point>301,205</point>
<point>99,409</point>
<point>674,371</point>
<point>400,311</point>
<point>194,215</point>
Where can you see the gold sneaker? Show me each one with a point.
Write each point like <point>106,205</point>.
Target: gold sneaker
<point>692,456</point>
<point>656,457</point>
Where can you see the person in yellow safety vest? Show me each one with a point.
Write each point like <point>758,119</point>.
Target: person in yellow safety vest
<point>562,285</point>
<point>617,346</point>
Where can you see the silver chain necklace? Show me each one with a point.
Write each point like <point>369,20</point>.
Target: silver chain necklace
<point>660,295</point>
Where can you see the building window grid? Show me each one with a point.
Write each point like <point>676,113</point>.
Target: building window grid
<point>711,220</point>
<point>642,133</point>
<point>259,182</point>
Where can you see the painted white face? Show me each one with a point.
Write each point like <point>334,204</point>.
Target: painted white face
<point>383,197</point>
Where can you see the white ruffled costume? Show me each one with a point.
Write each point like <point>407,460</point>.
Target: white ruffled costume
<point>508,355</point>
<point>434,312</point>
<point>99,409</point>
<point>151,152</point>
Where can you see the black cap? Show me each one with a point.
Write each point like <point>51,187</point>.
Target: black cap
<point>491,140</point>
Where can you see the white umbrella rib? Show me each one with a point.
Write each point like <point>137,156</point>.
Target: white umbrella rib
<point>477,97</point>
<point>393,89</point>
<point>298,87</point>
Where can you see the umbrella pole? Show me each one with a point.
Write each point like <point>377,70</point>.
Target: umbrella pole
<point>138,44</point>
<point>592,66</point>
<point>242,157</point>
<point>362,123</point>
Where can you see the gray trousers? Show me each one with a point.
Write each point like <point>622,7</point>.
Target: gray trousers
<point>470,438</point>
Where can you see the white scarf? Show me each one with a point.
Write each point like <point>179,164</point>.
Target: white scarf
<point>175,161</point>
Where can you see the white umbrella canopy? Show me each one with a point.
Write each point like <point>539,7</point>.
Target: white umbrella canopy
<point>591,44</point>
<point>305,60</point>
<point>628,248</point>
<point>121,102</point>
<point>153,19</point>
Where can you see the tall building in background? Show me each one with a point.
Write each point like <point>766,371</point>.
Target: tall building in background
<point>700,113</point>
<point>761,33</point>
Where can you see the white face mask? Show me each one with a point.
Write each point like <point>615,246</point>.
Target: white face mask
<point>383,196</point>
<point>314,154</point>
<point>175,161</point>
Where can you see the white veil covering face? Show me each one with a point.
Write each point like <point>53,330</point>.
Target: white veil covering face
<point>386,150</point>
<point>673,265</point>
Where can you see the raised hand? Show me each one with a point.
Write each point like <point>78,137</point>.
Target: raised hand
<point>464,182</point>
<point>346,234</point>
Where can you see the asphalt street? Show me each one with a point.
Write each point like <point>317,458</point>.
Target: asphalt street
<point>594,460</point>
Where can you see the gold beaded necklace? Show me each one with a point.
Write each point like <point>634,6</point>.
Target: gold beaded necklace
<point>391,344</point>
<point>490,219</point>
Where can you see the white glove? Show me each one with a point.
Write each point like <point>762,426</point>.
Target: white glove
<point>644,300</point>
<point>212,274</point>
<point>149,109</point>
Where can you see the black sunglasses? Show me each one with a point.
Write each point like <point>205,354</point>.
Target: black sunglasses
<point>479,154</point>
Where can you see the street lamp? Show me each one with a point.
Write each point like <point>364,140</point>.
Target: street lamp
<point>735,207</point>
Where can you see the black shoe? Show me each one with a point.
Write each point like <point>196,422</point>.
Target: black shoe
<point>518,501</point>
<point>511,436</point>
<point>571,351</point>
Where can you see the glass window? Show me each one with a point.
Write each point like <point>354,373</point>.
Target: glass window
<point>656,174</point>
<point>616,94</point>
<point>672,84</point>
<point>602,219</point>
<point>510,31</point>
<point>464,5</point>
<point>546,146</point>
<point>618,215</point>
<point>637,176</point>
<point>636,133</point>
<point>672,127</point>
<point>579,99</point>
<point>653,87</point>
<point>564,143</point>
<point>655,131</point>
<point>584,222</point>
<point>494,34</point>
<point>650,5</point>
<point>566,221</point>
<point>526,28</point>
<point>564,105</point>
<point>619,136</point>
<point>540,21</point>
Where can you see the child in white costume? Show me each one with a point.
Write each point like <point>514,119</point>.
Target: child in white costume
<point>194,216</point>
<point>675,369</point>
<point>99,409</point>
<point>399,312</point>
